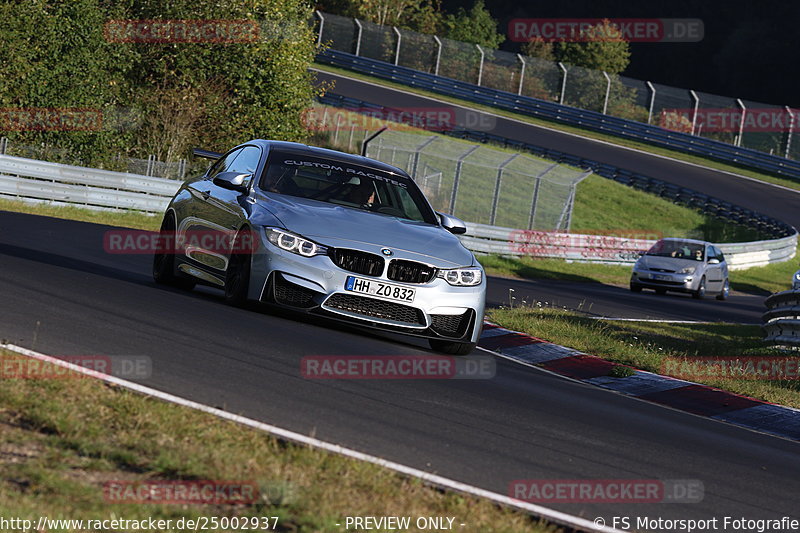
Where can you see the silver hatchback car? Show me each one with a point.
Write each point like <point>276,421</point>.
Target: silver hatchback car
<point>682,265</point>
<point>796,281</point>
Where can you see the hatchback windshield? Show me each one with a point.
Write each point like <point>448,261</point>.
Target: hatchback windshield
<point>679,249</point>
<point>347,185</point>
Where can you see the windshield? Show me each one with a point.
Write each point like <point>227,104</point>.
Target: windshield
<point>346,185</point>
<point>679,249</point>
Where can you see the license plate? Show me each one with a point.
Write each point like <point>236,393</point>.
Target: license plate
<point>380,289</point>
<point>662,277</point>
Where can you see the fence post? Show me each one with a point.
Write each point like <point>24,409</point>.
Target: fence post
<point>521,72</point>
<point>741,121</point>
<point>608,91</point>
<point>791,129</point>
<point>151,163</point>
<point>496,196</point>
<point>358,39</point>
<point>4,145</point>
<point>397,49</point>
<point>438,54</point>
<point>350,141</point>
<point>696,106</point>
<point>480,67</point>
<point>336,132</point>
<point>563,83</point>
<point>459,166</point>
<point>182,168</point>
<point>652,101</point>
<point>535,198</point>
<point>367,140</point>
<point>419,150</point>
<point>321,26</point>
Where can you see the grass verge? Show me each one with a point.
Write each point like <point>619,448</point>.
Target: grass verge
<point>126,219</point>
<point>650,346</point>
<point>65,439</point>
<point>710,163</point>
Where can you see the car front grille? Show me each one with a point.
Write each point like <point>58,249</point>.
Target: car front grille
<point>410,271</point>
<point>451,325</point>
<point>371,307</point>
<point>357,261</point>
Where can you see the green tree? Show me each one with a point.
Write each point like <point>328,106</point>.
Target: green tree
<point>474,26</point>
<point>600,48</point>
<point>538,47</point>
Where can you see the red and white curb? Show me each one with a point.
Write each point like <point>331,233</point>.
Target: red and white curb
<point>679,394</point>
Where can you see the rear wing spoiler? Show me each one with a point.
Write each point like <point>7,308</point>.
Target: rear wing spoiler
<point>199,152</point>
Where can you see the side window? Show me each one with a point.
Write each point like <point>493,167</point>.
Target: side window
<point>711,253</point>
<point>247,161</point>
<point>719,255</point>
<point>222,164</point>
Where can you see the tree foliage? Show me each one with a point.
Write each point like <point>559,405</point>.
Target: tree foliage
<point>474,26</point>
<point>600,47</point>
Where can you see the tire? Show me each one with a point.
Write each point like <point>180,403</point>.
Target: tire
<point>237,277</point>
<point>636,288</point>
<point>701,290</point>
<point>725,292</point>
<point>451,348</point>
<point>164,262</point>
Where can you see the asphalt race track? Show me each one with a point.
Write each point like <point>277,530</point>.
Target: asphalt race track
<point>63,295</point>
<point>780,203</point>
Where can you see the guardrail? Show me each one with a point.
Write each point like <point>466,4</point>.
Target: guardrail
<point>609,249</point>
<point>591,120</point>
<point>681,195</point>
<point>38,181</point>
<point>782,320</point>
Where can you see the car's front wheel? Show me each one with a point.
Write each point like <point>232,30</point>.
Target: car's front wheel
<point>726,290</point>
<point>164,258</point>
<point>237,276</point>
<point>701,289</point>
<point>451,348</point>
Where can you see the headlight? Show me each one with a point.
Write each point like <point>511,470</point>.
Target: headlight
<point>797,275</point>
<point>462,277</point>
<point>291,242</point>
<point>687,270</point>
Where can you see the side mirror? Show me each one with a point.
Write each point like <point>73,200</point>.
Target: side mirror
<point>713,261</point>
<point>452,224</point>
<point>233,181</point>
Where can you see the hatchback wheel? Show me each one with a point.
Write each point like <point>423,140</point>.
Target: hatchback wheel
<point>701,289</point>
<point>725,292</point>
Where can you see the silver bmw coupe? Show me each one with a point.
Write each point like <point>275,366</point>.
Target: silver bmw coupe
<point>325,232</point>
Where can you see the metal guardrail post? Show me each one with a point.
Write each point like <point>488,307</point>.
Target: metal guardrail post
<point>652,102</point>
<point>563,83</point>
<point>438,55</point>
<point>321,26</point>
<point>741,122</point>
<point>358,39</point>
<point>496,196</point>
<point>791,130</point>
<point>696,106</point>
<point>521,72</point>
<point>397,48</point>
<point>480,67</point>
<point>608,91</point>
<point>459,166</point>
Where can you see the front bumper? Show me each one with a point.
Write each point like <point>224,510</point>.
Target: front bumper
<point>664,281</point>
<point>317,285</point>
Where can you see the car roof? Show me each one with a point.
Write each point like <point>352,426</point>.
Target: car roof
<point>692,241</point>
<point>316,151</point>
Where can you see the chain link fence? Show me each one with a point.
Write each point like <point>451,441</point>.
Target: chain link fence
<point>481,184</point>
<point>764,127</point>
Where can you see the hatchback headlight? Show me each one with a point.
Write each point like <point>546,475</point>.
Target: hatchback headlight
<point>292,242</point>
<point>461,277</point>
<point>687,270</point>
